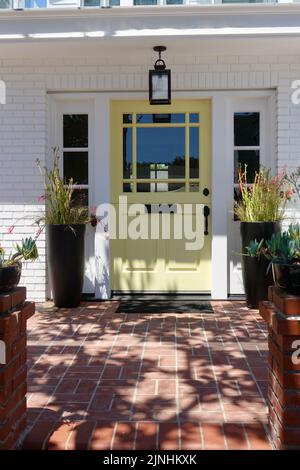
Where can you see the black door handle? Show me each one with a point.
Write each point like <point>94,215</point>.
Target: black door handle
<point>206,213</point>
<point>161,208</point>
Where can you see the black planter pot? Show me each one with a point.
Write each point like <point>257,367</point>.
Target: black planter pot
<point>10,277</point>
<point>255,276</point>
<point>66,263</point>
<point>287,277</point>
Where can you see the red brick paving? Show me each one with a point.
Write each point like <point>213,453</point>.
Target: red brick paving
<point>105,380</point>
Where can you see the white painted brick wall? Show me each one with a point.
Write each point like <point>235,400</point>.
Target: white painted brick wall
<point>24,118</point>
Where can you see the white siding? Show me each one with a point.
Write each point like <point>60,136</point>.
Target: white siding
<point>23,119</point>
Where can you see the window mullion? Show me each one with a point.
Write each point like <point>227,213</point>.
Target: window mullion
<point>75,149</point>
<point>246,147</point>
<point>134,154</point>
<point>187,152</point>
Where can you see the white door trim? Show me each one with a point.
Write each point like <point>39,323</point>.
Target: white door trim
<point>265,105</point>
<point>77,106</point>
<point>222,174</point>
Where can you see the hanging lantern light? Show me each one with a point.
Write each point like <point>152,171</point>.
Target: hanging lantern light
<point>160,80</point>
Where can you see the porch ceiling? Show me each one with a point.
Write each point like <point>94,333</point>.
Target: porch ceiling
<point>120,51</point>
<point>210,30</point>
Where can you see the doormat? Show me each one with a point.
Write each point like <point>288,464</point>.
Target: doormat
<point>164,306</point>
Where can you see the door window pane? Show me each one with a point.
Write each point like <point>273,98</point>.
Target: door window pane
<point>145,2</point>
<point>160,152</point>
<point>80,197</point>
<point>75,132</point>
<point>127,188</point>
<point>91,3</point>
<point>174,118</point>
<point>247,1</point>
<point>246,129</point>
<point>194,118</point>
<point>160,187</point>
<point>194,187</point>
<point>5,4</point>
<point>194,152</point>
<point>249,158</point>
<point>127,152</point>
<point>127,118</point>
<point>76,167</point>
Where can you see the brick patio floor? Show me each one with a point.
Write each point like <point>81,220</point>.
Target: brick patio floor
<point>105,380</point>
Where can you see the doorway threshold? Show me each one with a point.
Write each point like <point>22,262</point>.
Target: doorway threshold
<point>140,296</point>
<point>159,296</point>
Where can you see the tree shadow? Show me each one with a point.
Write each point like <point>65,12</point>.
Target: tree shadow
<point>98,379</point>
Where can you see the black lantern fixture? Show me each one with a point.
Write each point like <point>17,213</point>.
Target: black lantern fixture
<point>160,80</point>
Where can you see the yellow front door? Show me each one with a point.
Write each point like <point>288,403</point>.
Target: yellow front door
<point>161,160</point>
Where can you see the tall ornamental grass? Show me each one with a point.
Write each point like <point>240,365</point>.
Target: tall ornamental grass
<point>263,201</point>
<point>60,206</point>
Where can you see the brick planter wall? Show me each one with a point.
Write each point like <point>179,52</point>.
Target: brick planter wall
<point>282,313</point>
<point>14,313</point>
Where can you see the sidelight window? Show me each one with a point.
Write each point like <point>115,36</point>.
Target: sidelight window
<point>75,154</point>
<point>246,146</point>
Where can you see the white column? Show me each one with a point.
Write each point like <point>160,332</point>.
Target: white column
<point>220,182</point>
<point>102,193</point>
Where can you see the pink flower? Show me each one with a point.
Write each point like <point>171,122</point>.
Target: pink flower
<point>42,198</point>
<point>10,229</point>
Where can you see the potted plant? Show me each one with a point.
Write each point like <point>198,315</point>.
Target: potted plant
<point>11,266</point>
<point>260,210</point>
<point>65,229</point>
<point>283,251</point>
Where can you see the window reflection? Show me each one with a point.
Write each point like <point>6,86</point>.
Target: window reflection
<point>127,188</point>
<point>246,129</point>
<point>246,134</point>
<point>75,132</point>
<point>194,152</point>
<point>127,152</point>
<point>194,187</point>
<point>194,118</point>
<point>174,118</point>
<point>75,155</point>
<point>91,3</point>
<point>157,187</point>
<point>145,2</point>
<point>80,197</point>
<point>160,153</point>
<point>249,158</point>
<point>76,167</point>
<point>127,118</point>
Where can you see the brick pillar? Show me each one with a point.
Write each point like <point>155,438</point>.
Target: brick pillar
<point>14,313</point>
<point>282,313</point>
